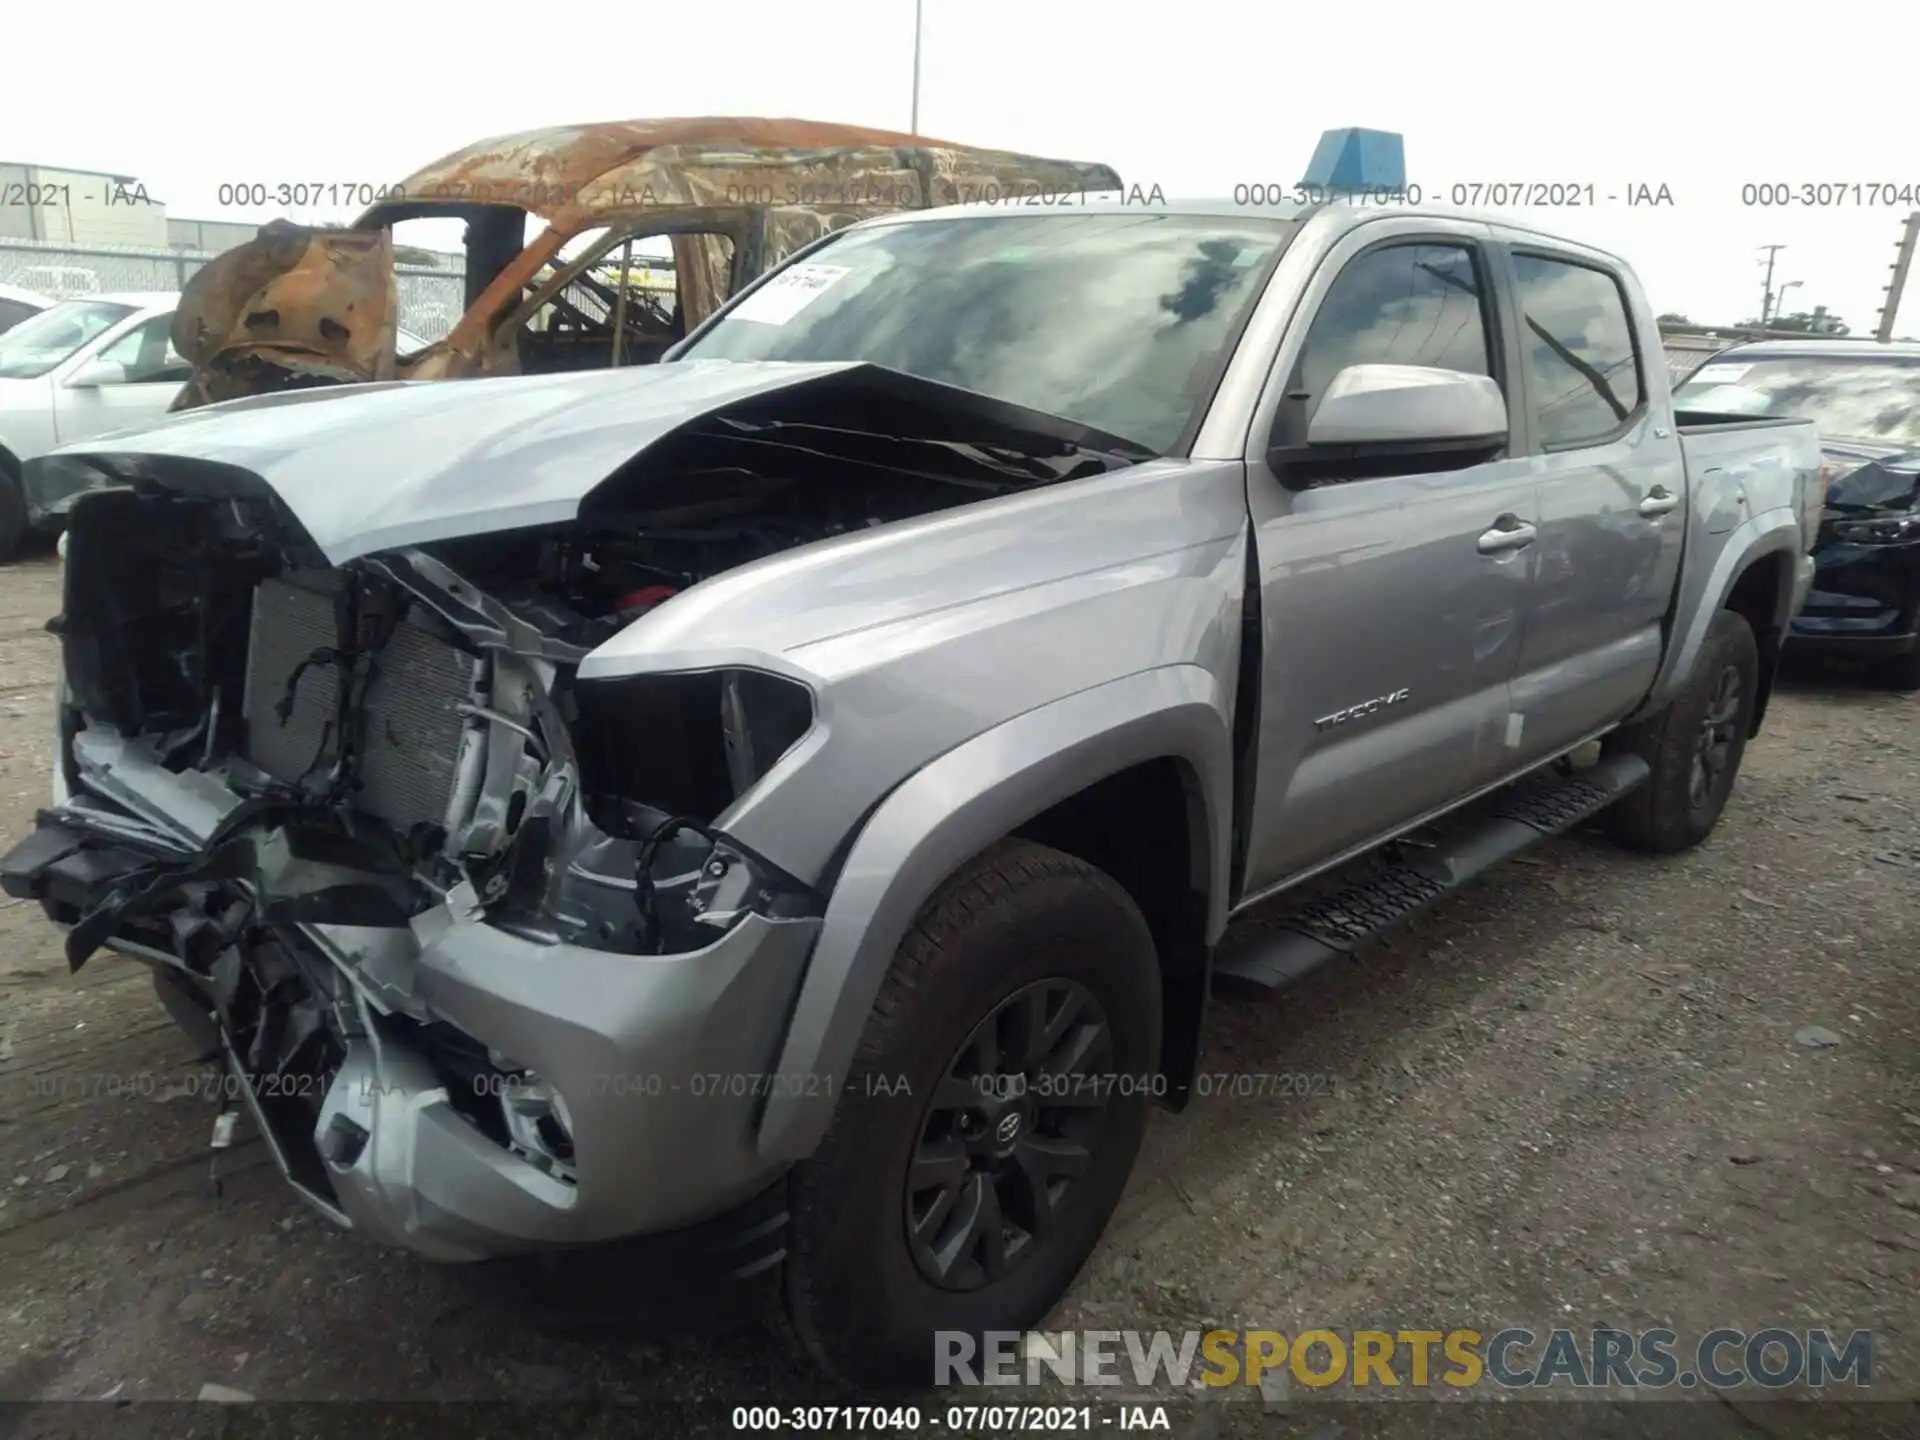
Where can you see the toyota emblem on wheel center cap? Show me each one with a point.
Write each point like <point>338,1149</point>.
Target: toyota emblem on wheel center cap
<point>1008,1127</point>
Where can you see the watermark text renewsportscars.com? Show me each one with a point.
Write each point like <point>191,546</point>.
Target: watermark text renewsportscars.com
<point>1510,1358</point>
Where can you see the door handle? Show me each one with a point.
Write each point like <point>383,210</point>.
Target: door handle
<point>1658,502</point>
<point>1509,532</point>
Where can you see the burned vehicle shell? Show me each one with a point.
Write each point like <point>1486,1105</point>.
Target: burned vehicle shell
<point>340,766</point>
<point>297,307</point>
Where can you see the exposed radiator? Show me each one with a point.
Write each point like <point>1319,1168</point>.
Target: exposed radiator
<point>411,738</point>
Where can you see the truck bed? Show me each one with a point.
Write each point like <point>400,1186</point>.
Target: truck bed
<point>1698,422</point>
<point>1742,465</point>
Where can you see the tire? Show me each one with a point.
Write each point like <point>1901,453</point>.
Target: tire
<point>1900,673</point>
<point>1018,922</point>
<point>13,512</point>
<point>1674,810</point>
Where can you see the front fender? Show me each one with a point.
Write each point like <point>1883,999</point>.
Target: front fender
<point>949,812</point>
<point>1704,588</point>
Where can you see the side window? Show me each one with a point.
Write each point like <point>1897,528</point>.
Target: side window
<point>1579,347</point>
<point>1417,304</point>
<point>147,353</point>
<point>12,312</point>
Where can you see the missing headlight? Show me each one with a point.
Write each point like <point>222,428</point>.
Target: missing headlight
<point>686,744</point>
<point>761,718</point>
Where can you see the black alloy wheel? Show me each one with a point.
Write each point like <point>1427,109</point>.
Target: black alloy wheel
<point>1008,1131</point>
<point>1714,745</point>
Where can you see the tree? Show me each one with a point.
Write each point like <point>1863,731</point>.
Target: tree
<point>1807,322</point>
<point>1672,317</point>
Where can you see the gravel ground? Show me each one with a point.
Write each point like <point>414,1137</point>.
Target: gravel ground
<point>1580,1094</point>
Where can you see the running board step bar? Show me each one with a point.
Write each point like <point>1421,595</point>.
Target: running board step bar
<point>1263,955</point>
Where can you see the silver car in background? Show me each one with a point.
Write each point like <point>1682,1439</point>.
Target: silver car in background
<point>80,369</point>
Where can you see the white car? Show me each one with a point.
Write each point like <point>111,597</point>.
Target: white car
<point>17,305</point>
<point>82,368</point>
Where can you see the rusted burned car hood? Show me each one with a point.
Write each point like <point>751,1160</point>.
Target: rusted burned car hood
<point>298,306</point>
<point>377,466</point>
<point>291,305</point>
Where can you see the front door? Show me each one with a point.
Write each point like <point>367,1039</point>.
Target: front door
<point>147,377</point>
<point>1392,604</point>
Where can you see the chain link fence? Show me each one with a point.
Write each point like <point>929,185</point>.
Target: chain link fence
<point>1687,353</point>
<point>430,300</point>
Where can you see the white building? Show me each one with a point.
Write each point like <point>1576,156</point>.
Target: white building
<point>78,207</point>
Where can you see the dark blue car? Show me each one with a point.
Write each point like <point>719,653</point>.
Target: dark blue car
<point>1864,397</point>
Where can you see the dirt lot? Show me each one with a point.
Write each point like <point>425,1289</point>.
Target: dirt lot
<point>1578,1095</point>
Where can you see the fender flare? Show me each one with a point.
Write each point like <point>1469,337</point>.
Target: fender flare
<point>1771,532</point>
<point>950,811</point>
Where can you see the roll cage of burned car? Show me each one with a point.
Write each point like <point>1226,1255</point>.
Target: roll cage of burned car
<point>551,217</point>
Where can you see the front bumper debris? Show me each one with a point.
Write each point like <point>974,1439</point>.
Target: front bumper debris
<point>652,1055</point>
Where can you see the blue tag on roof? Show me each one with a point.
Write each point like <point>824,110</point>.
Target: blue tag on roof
<point>1358,160</point>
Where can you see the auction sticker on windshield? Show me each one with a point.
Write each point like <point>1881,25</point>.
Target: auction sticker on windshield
<point>788,293</point>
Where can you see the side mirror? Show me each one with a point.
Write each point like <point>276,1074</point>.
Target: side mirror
<point>1410,408</point>
<point>95,373</point>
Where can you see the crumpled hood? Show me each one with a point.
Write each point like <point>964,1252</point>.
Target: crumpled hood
<point>1885,481</point>
<point>370,467</point>
<point>363,468</point>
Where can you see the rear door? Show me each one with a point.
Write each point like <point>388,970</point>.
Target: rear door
<point>1612,489</point>
<point>1392,603</point>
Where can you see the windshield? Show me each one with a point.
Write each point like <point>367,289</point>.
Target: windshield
<point>1847,398</point>
<point>33,347</point>
<point>1117,321</point>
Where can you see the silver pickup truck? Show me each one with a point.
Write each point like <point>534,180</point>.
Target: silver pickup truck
<point>805,793</point>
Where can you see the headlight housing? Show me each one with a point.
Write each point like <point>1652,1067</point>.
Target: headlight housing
<point>685,744</point>
<point>661,757</point>
<point>1879,530</point>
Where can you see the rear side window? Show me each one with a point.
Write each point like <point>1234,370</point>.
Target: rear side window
<point>1418,304</point>
<point>1579,347</point>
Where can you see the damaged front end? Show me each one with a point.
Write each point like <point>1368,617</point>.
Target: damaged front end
<point>384,853</point>
<point>460,909</point>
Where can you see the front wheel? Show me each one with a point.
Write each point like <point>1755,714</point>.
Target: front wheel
<point>1694,746</point>
<point>988,1123</point>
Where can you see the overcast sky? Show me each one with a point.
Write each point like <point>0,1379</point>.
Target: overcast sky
<point>1196,97</point>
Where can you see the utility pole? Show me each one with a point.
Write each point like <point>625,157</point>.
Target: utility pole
<point>1890,311</point>
<point>915,126</point>
<point>1766,293</point>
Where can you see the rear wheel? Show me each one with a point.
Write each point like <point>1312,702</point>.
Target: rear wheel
<point>1694,746</point>
<point>988,1123</point>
